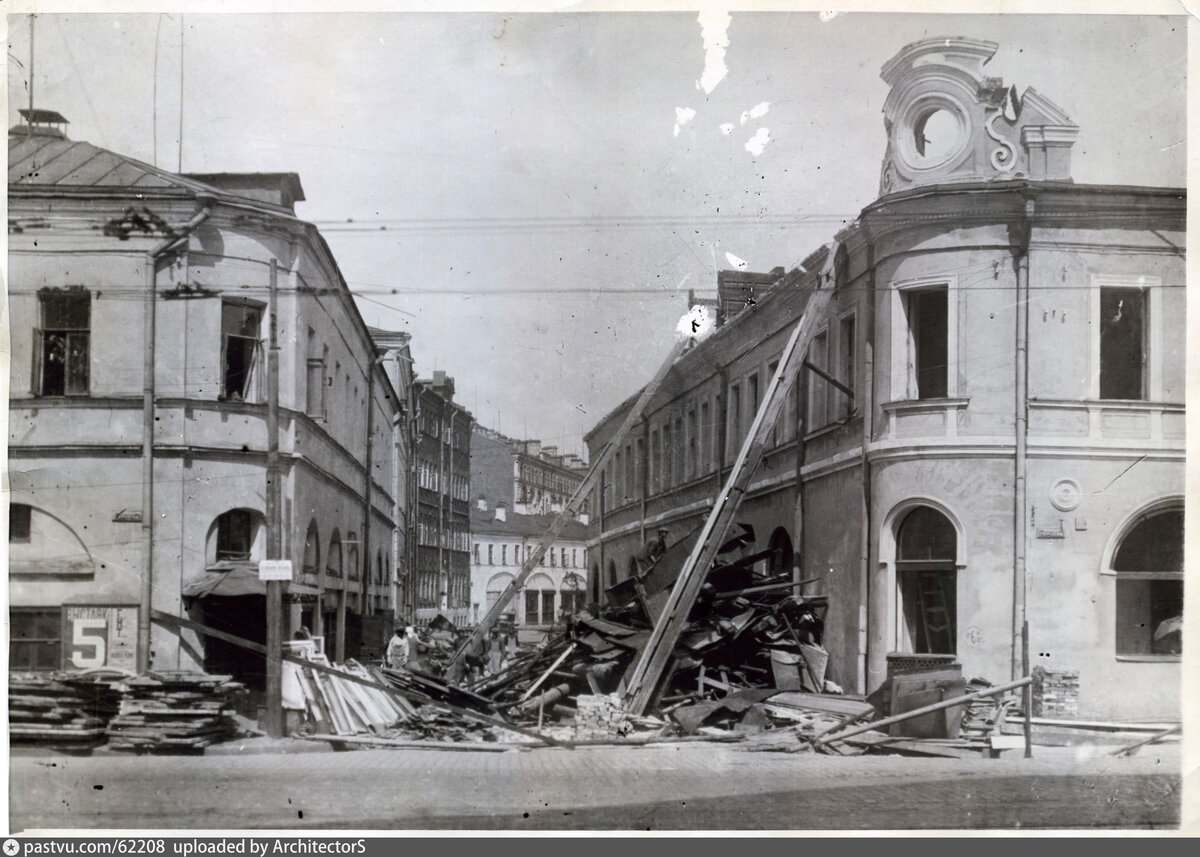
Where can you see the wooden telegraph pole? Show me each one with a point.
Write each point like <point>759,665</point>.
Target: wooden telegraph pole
<point>274,525</point>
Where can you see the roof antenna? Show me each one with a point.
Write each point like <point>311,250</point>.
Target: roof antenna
<point>29,125</point>
<point>181,92</point>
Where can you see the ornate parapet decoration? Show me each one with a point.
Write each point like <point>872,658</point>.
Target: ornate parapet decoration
<point>947,121</point>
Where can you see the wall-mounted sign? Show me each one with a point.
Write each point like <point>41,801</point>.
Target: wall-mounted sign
<point>99,636</point>
<point>275,569</point>
<point>1066,495</point>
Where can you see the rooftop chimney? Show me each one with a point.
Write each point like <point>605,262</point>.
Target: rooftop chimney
<point>41,123</point>
<point>482,504</point>
<point>501,512</point>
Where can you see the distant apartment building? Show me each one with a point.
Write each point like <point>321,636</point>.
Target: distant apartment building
<point>526,475</point>
<point>501,541</point>
<point>442,524</point>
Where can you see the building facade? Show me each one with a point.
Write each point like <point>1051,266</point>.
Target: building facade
<point>140,454</point>
<point>442,463</point>
<point>500,543</point>
<point>1005,441</point>
<point>527,476</point>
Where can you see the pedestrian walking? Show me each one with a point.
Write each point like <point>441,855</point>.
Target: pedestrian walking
<point>398,650</point>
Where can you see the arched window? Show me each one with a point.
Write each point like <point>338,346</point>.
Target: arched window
<point>353,571</point>
<point>496,586</point>
<point>612,573</point>
<point>926,550</point>
<point>1149,567</point>
<point>379,567</point>
<point>781,551</point>
<point>312,549</point>
<point>333,560</point>
<point>632,568</point>
<point>238,535</point>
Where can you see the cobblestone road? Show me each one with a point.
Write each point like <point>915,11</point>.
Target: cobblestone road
<point>660,788</point>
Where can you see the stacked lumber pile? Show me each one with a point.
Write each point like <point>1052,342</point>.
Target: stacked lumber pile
<point>63,711</point>
<point>338,706</point>
<point>174,711</point>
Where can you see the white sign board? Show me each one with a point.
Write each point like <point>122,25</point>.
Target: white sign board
<point>275,569</point>
<point>100,636</point>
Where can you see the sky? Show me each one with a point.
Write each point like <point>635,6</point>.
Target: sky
<point>532,196</point>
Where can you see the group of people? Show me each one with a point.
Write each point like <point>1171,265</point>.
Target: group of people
<point>404,646</point>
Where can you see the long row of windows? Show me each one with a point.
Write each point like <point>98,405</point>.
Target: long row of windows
<point>449,535</point>
<point>505,554</point>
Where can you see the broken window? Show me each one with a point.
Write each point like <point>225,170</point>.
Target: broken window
<point>312,550</point>
<point>241,325</point>
<point>61,360</point>
<point>845,364</point>
<point>19,520</point>
<point>818,389</point>
<point>926,313</point>
<point>1122,343</point>
<point>927,573</point>
<point>235,535</point>
<point>1149,569</point>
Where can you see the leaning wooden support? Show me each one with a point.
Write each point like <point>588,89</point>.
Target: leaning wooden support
<point>179,622</point>
<point>570,510</point>
<point>1130,748</point>
<point>917,712</point>
<point>644,683</point>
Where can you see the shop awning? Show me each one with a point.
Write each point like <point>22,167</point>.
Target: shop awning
<point>234,581</point>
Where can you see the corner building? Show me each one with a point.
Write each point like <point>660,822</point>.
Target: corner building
<point>1011,445</point>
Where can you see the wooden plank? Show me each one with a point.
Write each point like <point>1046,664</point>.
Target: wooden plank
<point>459,746</point>
<point>644,682</point>
<point>177,621</point>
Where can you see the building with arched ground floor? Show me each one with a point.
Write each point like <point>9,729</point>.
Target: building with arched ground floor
<point>989,427</point>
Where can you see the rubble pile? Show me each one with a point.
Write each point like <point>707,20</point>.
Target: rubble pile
<point>64,711</point>
<point>176,711</point>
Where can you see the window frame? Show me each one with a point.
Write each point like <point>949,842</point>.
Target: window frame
<point>903,373</point>
<point>1123,532</point>
<point>52,616</point>
<point>24,511</point>
<point>1152,328</point>
<point>69,334</point>
<point>251,386</point>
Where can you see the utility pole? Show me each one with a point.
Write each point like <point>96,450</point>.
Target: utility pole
<point>29,123</point>
<point>274,523</point>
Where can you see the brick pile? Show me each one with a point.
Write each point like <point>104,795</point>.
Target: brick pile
<point>1055,693</point>
<point>599,716</point>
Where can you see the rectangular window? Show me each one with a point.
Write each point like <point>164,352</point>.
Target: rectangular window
<point>847,345</point>
<point>490,559</point>
<point>504,554</point>
<point>655,462</point>
<point>241,326</point>
<point>62,346</point>
<point>701,439</point>
<point>314,400</point>
<point>818,389</point>
<point>628,472</point>
<point>752,404</point>
<point>677,459</point>
<point>776,430</point>
<point>532,601</point>
<point>550,551</point>
<point>668,458</point>
<point>735,421</point>
<point>19,523</point>
<point>36,639</point>
<point>1122,343</point>
<point>639,468</point>
<point>927,315</point>
<point>692,441</point>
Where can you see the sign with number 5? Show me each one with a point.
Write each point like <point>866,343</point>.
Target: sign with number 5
<point>99,636</point>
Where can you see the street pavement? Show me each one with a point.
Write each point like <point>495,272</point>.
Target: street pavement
<point>670,787</point>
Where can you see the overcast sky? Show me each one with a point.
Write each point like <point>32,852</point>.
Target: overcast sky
<point>531,195</point>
